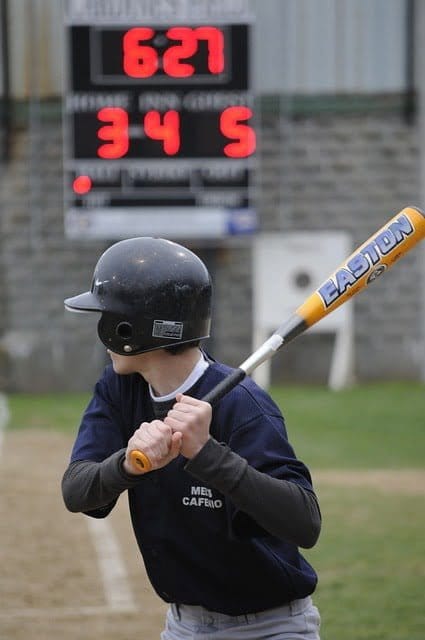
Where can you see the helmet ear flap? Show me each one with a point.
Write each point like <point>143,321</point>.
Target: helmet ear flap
<point>116,333</point>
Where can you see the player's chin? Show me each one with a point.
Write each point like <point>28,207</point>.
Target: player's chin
<point>120,364</point>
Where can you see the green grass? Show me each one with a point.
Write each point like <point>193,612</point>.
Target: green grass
<point>57,411</point>
<point>370,559</point>
<point>371,554</point>
<point>375,425</point>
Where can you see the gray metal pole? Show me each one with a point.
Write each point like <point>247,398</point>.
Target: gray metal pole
<point>35,191</point>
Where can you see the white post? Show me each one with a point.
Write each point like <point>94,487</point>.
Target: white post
<point>420,83</point>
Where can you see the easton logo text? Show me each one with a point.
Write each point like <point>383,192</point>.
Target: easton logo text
<point>365,260</point>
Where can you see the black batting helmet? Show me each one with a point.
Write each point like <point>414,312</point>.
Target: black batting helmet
<point>151,293</point>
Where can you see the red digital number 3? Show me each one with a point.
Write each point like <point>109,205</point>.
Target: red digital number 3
<point>243,134</point>
<point>115,133</point>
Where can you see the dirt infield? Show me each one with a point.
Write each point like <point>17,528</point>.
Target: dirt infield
<point>406,482</point>
<point>52,581</point>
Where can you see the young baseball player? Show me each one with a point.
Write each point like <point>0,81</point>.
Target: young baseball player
<point>220,517</point>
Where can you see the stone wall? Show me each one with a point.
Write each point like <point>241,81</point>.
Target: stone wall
<point>338,169</point>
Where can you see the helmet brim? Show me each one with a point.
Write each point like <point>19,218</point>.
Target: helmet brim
<point>84,303</point>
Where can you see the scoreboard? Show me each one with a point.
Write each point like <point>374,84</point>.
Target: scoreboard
<point>159,119</point>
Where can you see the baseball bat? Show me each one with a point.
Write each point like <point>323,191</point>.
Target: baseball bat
<point>363,266</point>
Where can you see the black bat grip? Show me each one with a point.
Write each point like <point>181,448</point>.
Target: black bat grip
<point>223,387</point>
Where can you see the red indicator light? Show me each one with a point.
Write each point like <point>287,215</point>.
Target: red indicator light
<point>82,185</point>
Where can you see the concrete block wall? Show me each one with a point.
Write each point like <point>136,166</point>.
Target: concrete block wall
<point>352,172</point>
<point>339,170</point>
<point>43,347</point>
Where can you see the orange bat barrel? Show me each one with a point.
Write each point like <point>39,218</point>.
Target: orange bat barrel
<point>370,260</point>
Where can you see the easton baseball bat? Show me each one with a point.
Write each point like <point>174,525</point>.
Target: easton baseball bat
<point>363,266</point>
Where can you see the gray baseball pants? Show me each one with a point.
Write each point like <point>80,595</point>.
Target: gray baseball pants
<point>299,620</point>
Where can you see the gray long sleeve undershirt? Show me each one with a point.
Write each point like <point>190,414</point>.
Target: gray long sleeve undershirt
<point>282,508</point>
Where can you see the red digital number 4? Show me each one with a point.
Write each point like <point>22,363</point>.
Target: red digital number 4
<point>167,130</point>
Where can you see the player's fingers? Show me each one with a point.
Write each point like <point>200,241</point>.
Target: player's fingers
<point>174,421</point>
<point>189,400</point>
<point>194,407</point>
<point>178,415</point>
<point>156,430</point>
<point>154,436</point>
<point>176,443</point>
<point>182,409</point>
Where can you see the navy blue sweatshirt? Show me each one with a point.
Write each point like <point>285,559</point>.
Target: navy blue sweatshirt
<point>222,530</point>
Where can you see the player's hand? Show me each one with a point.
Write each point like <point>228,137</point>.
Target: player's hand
<point>157,441</point>
<point>191,418</point>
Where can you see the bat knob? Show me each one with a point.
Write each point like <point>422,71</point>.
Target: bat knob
<point>140,461</point>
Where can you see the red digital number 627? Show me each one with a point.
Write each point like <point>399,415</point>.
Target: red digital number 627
<point>141,60</point>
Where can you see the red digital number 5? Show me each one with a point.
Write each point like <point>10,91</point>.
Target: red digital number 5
<point>244,135</point>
